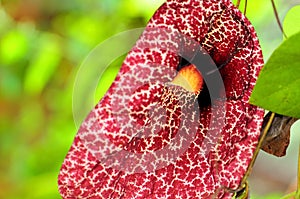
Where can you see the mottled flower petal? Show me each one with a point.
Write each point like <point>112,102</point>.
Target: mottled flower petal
<point>150,139</point>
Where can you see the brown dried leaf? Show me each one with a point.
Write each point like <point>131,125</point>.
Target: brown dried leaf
<point>278,137</point>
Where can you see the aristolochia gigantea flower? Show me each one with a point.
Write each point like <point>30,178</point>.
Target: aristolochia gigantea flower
<point>176,122</point>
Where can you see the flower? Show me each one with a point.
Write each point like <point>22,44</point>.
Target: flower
<point>149,137</point>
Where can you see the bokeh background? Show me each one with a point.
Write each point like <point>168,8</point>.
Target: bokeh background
<point>42,44</point>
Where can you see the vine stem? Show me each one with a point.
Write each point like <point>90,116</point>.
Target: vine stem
<point>295,194</point>
<point>260,142</point>
<point>298,176</point>
<point>289,196</point>
<point>245,8</point>
<point>238,3</point>
<point>277,18</point>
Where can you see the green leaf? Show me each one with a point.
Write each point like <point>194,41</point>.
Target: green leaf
<point>291,23</point>
<point>277,87</point>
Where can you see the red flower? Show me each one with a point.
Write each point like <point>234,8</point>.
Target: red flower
<point>149,137</point>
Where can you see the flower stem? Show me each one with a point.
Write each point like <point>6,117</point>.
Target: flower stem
<point>289,196</point>
<point>261,139</point>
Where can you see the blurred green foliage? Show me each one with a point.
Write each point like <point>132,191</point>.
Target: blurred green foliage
<point>42,44</point>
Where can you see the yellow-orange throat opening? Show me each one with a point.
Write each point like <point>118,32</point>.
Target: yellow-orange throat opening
<point>189,78</point>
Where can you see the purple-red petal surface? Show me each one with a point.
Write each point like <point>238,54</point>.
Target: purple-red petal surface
<point>146,139</point>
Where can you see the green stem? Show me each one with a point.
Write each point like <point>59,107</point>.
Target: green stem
<point>290,195</point>
<point>298,176</point>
